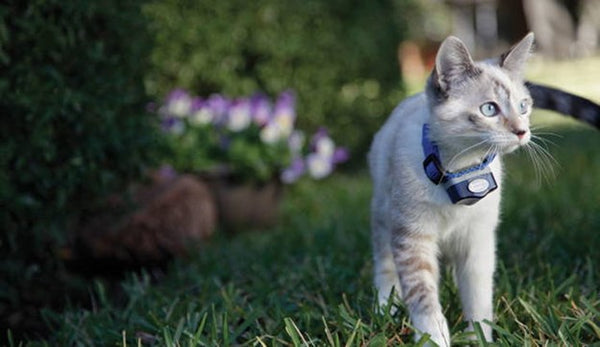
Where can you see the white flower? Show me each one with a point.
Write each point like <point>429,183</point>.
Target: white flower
<point>239,116</point>
<point>239,119</point>
<point>270,133</point>
<point>285,122</point>
<point>202,116</point>
<point>325,146</point>
<point>180,107</point>
<point>319,166</point>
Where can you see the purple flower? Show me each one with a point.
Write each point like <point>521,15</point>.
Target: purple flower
<point>340,155</point>
<point>261,109</point>
<point>178,103</point>
<point>286,99</point>
<point>197,103</point>
<point>293,172</point>
<point>218,105</point>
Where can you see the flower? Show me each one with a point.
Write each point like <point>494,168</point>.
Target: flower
<point>219,105</point>
<point>270,134</point>
<point>319,165</point>
<point>340,155</point>
<point>178,103</point>
<point>284,114</point>
<point>325,155</point>
<point>293,172</point>
<point>261,109</point>
<point>239,117</point>
<point>202,114</point>
<point>325,146</point>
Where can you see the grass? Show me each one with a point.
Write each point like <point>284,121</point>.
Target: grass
<point>308,281</point>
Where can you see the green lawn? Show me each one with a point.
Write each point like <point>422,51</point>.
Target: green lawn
<point>308,281</point>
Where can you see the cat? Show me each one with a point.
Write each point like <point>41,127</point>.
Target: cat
<point>437,175</point>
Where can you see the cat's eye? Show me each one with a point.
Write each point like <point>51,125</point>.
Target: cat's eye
<point>489,109</point>
<point>523,106</point>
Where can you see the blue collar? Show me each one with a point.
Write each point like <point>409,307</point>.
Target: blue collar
<point>433,166</point>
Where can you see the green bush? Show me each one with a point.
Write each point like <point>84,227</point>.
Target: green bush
<point>74,126</point>
<point>339,56</point>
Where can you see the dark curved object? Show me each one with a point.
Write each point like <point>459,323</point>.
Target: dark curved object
<point>553,99</point>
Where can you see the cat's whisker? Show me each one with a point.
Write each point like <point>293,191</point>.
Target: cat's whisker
<point>543,140</point>
<point>544,153</point>
<point>534,131</point>
<point>543,162</point>
<point>542,135</point>
<point>534,161</point>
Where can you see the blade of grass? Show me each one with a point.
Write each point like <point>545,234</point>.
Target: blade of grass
<point>353,334</point>
<point>293,331</point>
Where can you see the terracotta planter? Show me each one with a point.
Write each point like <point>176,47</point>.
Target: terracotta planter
<point>243,206</point>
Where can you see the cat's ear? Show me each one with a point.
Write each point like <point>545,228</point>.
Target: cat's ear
<point>453,63</point>
<point>514,60</point>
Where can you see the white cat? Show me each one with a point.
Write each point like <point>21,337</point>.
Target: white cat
<point>437,175</point>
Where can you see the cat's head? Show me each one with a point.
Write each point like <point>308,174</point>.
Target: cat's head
<point>481,104</point>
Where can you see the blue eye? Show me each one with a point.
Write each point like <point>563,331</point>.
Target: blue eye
<point>489,109</point>
<point>523,106</point>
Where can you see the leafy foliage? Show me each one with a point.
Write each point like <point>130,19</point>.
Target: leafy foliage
<point>73,123</point>
<point>339,56</point>
<point>72,104</point>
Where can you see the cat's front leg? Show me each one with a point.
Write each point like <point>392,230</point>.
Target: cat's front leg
<point>415,256</point>
<point>474,268</point>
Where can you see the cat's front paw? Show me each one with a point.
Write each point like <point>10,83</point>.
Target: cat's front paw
<point>435,325</point>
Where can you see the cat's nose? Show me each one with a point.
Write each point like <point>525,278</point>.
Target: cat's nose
<point>520,133</point>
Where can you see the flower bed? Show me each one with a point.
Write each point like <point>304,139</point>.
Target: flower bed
<point>251,139</point>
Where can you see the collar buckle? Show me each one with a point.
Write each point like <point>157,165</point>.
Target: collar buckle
<point>433,169</point>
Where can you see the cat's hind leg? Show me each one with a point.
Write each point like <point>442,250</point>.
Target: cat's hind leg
<point>385,273</point>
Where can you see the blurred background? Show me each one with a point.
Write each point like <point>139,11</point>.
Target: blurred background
<point>78,80</point>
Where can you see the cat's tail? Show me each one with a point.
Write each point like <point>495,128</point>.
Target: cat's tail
<point>560,101</point>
